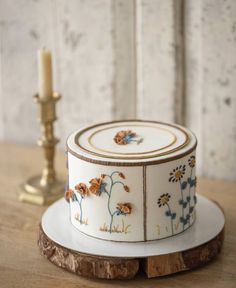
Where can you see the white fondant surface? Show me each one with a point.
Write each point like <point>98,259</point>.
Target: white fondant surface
<point>57,226</point>
<point>158,141</point>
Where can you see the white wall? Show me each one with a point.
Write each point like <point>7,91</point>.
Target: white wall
<point>169,60</point>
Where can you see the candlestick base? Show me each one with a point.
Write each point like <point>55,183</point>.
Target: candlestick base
<point>34,192</point>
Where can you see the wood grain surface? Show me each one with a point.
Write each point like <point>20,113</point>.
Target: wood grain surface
<point>21,264</point>
<point>101,267</point>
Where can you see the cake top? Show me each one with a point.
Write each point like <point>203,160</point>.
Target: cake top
<point>131,142</point>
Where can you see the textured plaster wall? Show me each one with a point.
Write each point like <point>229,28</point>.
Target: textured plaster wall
<point>169,60</point>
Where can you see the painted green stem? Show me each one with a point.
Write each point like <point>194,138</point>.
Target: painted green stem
<point>118,182</point>
<point>113,183</point>
<point>81,211</point>
<point>189,196</point>
<point>172,230</point>
<point>182,201</point>
<point>80,207</point>
<point>108,204</point>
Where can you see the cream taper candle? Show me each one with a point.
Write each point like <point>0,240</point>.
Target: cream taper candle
<point>45,73</point>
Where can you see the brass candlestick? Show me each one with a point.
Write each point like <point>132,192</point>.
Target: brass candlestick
<point>46,188</point>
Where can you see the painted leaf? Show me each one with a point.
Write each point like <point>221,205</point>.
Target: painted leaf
<point>184,185</point>
<point>195,199</point>
<point>185,204</point>
<point>181,219</point>
<point>173,216</point>
<point>192,183</point>
<point>103,187</point>
<point>74,198</point>
<point>168,213</point>
<point>188,199</point>
<point>189,180</point>
<point>191,209</point>
<point>180,202</point>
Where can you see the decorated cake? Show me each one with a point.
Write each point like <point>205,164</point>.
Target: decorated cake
<point>132,180</point>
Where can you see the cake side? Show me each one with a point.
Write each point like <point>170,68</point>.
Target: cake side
<point>143,202</point>
<point>133,203</point>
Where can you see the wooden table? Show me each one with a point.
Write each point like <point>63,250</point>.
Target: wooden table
<point>21,264</point>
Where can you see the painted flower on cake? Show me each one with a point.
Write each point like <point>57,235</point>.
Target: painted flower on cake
<point>192,161</point>
<point>82,189</point>
<point>177,173</point>
<point>122,175</point>
<point>163,200</point>
<point>97,186</point>
<point>124,208</point>
<point>125,137</point>
<point>68,194</point>
<point>187,200</point>
<point>77,195</point>
<point>105,186</point>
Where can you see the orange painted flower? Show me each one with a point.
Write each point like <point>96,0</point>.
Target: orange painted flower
<point>95,186</point>
<point>82,189</point>
<point>69,194</point>
<point>124,137</point>
<point>122,175</point>
<point>124,208</point>
<point>126,188</point>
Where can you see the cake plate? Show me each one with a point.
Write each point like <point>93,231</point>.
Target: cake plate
<point>83,255</point>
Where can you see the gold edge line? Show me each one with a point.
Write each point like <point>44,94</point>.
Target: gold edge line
<point>120,153</point>
<point>140,157</point>
<point>144,203</point>
<point>134,164</point>
<point>141,153</point>
<point>187,140</point>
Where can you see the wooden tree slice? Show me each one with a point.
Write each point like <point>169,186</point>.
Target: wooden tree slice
<point>126,268</point>
<point>161,265</point>
<point>87,265</point>
<point>111,267</point>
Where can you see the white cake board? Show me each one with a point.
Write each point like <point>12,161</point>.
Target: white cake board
<point>57,226</point>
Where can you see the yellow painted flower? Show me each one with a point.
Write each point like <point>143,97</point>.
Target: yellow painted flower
<point>192,161</point>
<point>163,200</point>
<point>177,173</point>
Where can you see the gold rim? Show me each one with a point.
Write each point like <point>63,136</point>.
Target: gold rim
<point>120,153</point>
<point>133,164</point>
<point>187,140</point>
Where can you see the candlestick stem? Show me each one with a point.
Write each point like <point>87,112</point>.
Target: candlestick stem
<point>45,188</point>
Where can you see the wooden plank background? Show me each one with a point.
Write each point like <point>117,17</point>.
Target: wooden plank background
<point>169,60</point>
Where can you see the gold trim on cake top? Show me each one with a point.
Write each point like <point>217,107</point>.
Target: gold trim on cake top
<point>85,153</point>
<point>131,155</point>
<point>126,154</point>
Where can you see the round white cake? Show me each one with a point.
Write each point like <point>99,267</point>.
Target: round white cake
<point>132,180</point>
